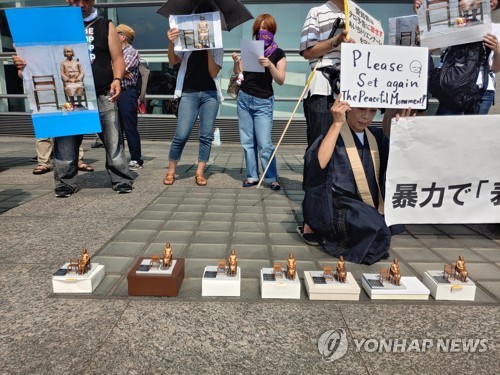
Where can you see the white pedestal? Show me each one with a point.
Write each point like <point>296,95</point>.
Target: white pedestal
<point>74,283</point>
<point>279,288</point>
<point>411,288</point>
<point>319,288</point>
<point>449,290</point>
<point>220,285</point>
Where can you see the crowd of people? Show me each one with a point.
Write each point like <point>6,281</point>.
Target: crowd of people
<point>345,159</point>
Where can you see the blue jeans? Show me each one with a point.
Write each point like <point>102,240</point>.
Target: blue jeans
<point>484,106</point>
<point>255,120</point>
<point>66,149</point>
<point>205,104</point>
<point>127,110</point>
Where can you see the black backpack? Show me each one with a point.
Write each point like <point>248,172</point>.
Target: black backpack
<point>454,84</point>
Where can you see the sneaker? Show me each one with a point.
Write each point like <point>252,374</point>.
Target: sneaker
<point>122,188</point>
<point>135,165</point>
<point>64,191</point>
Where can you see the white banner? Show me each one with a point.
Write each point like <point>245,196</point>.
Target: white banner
<point>444,169</point>
<point>362,27</point>
<point>384,76</point>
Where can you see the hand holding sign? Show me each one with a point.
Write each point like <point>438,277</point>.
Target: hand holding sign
<point>338,111</point>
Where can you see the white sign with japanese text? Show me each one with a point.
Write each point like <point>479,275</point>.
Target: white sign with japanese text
<point>363,28</point>
<point>444,170</point>
<point>375,76</point>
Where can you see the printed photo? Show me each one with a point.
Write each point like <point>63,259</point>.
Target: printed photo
<point>197,31</point>
<point>404,31</point>
<point>446,23</point>
<point>58,78</point>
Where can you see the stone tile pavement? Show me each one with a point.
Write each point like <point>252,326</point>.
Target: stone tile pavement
<point>111,332</point>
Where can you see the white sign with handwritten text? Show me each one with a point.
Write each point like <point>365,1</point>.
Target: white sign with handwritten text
<point>384,76</point>
<point>363,28</point>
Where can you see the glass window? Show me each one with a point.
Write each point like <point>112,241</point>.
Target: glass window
<point>152,42</point>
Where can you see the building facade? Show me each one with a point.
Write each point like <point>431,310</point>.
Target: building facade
<point>152,43</point>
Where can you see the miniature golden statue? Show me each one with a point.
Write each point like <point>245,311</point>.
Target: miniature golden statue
<point>341,270</point>
<point>394,273</point>
<point>233,263</point>
<point>461,269</point>
<point>84,262</point>
<point>290,267</point>
<point>167,255</point>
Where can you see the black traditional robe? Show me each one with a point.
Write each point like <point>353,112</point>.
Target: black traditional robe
<point>333,208</point>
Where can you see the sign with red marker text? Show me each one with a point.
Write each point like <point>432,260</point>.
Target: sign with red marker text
<point>444,170</point>
<point>375,76</point>
<point>362,27</point>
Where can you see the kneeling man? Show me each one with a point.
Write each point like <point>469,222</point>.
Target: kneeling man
<point>345,185</point>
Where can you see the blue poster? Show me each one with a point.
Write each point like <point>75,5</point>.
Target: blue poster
<point>58,74</point>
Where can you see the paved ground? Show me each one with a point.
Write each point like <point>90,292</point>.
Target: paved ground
<point>109,332</point>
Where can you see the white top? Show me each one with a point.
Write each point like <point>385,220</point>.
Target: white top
<point>495,29</point>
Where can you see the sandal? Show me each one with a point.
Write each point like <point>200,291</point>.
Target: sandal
<point>200,180</point>
<point>41,169</point>
<point>85,168</point>
<point>275,186</point>
<point>308,238</point>
<point>169,179</point>
<point>250,183</point>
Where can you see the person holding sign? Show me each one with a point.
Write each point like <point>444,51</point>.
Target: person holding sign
<point>108,68</point>
<point>198,88</point>
<point>256,103</point>
<point>344,186</point>
<point>492,42</point>
<point>322,49</point>
<point>317,44</point>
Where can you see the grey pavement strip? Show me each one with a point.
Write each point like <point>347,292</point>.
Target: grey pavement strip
<point>108,331</point>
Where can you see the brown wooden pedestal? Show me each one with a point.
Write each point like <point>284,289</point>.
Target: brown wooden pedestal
<point>141,284</point>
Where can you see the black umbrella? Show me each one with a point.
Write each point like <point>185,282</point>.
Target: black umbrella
<point>233,13</point>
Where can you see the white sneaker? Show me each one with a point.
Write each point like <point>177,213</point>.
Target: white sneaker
<point>134,165</point>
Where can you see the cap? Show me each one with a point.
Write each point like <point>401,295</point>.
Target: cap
<point>127,31</point>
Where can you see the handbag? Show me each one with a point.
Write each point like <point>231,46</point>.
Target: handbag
<point>172,106</point>
<point>234,86</point>
<point>141,107</point>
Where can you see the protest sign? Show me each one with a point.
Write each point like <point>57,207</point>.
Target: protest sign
<point>448,23</point>
<point>362,27</point>
<point>251,50</point>
<point>444,169</point>
<point>58,75</point>
<point>197,31</point>
<point>375,76</point>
